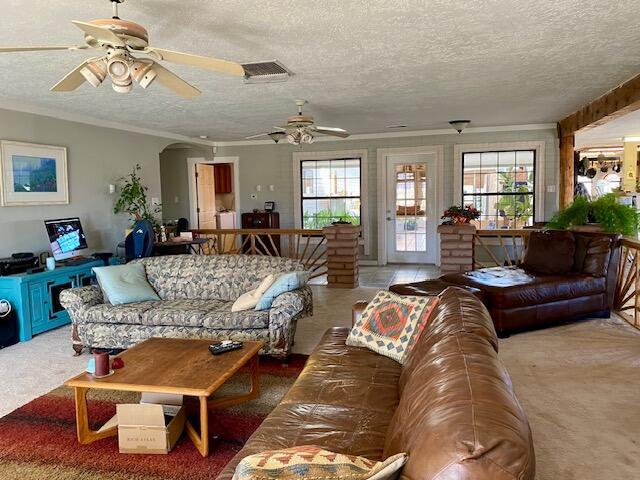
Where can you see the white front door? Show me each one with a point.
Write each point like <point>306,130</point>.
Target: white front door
<point>410,215</point>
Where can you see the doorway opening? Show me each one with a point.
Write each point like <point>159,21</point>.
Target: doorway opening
<point>214,193</point>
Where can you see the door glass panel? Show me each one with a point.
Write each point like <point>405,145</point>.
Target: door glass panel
<point>411,194</point>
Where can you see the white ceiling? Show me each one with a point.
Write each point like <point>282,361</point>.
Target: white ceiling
<point>612,132</point>
<point>361,64</point>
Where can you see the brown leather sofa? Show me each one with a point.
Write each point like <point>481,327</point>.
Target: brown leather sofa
<point>519,298</point>
<point>451,407</point>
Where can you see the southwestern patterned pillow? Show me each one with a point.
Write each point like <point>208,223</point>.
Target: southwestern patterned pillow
<point>391,324</point>
<point>310,462</point>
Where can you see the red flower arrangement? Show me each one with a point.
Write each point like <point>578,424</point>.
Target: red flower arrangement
<point>460,214</point>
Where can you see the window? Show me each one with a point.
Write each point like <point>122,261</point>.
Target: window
<point>330,192</point>
<point>501,185</point>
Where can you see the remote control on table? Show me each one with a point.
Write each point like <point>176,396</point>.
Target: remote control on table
<point>224,346</point>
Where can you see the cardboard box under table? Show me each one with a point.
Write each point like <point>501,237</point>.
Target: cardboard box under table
<point>152,426</point>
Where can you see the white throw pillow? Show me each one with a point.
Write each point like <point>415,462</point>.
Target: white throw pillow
<point>250,299</point>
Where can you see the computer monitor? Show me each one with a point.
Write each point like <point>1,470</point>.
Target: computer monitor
<point>66,237</point>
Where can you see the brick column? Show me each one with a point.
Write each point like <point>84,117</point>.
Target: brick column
<point>456,247</point>
<point>342,255</point>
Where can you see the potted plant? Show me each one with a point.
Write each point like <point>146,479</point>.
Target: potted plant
<point>457,214</point>
<point>133,199</point>
<point>605,214</point>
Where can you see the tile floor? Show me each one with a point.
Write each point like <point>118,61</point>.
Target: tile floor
<point>383,277</point>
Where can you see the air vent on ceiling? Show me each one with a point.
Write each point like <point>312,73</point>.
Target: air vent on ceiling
<point>266,72</point>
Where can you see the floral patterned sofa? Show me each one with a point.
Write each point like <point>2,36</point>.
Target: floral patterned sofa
<point>196,293</point>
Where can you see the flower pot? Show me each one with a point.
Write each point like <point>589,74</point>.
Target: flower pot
<point>589,227</point>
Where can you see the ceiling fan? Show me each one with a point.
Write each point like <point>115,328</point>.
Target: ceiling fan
<point>118,40</point>
<point>301,129</point>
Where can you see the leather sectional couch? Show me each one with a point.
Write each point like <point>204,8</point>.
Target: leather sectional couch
<point>451,407</point>
<point>521,297</point>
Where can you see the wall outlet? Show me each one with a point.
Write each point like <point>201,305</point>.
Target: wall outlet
<point>253,196</point>
<point>176,199</point>
<point>551,188</point>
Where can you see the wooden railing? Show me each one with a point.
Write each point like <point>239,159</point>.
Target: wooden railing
<point>626,301</point>
<point>494,248</point>
<point>307,246</point>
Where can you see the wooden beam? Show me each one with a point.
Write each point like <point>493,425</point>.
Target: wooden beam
<point>613,104</point>
<point>567,187</point>
<point>620,101</point>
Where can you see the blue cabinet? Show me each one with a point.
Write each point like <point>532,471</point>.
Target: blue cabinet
<point>35,297</point>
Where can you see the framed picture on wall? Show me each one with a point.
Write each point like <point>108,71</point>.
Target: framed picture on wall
<point>33,174</point>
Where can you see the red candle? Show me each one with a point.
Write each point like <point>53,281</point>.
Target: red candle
<point>102,363</point>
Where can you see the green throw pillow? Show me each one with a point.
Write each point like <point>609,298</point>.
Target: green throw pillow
<point>122,284</point>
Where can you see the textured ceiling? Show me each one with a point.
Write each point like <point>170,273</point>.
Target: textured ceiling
<point>361,64</point>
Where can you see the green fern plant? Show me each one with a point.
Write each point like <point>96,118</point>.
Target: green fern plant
<point>607,211</point>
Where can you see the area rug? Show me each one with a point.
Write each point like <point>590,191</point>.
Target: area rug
<point>38,440</point>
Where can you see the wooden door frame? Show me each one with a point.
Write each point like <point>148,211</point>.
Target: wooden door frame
<point>382,154</point>
<point>193,194</point>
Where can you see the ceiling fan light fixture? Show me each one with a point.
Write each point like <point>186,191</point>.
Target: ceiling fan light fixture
<point>143,73</point>
<point>459,125</point>
<point>307,137</point>
<point>293,138</point>
<point>95,72</point>
<point>122,85</point>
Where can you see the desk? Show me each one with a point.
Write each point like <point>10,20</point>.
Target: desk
<point>182,247</point>
<point>194,246</point>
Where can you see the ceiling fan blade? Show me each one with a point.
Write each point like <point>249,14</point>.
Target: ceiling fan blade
<point>174,82</point>
<point>336,132</point>
<point>102,35</point>
<point>224,66</point>
<point>284,128</point>
<point>38,49</point>
<point>257,136</point>
<point>71,81</point>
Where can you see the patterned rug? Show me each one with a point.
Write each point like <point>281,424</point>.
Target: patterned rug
<point>38,440</point>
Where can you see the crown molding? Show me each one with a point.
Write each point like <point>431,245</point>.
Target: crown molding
<point>23,107</point>
<point>19,106</point>
<point>412,133</point>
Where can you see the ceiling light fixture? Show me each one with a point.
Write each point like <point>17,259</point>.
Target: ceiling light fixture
<point>277,136</point>
<point>143,73</point>
<point>459,125</point>
<point>95,71</point>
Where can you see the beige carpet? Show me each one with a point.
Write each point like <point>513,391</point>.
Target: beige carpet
<point>579,385</point>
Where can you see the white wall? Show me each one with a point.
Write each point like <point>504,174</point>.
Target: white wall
<point>272,165</point>
<point>96,157</point>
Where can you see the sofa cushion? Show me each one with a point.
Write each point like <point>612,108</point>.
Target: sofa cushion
<point>458,417</point>
<point>124,284</point>
<point>343,401</point>
<point>550,252</point>
<point>592,255</point>
<point>129,314</point>
<point>508,287</point>
<point>220,277</point>
<point>214,314</point>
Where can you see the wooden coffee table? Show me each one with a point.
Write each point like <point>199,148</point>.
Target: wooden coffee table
<point>171,365</point>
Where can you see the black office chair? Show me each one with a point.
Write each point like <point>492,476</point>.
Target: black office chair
<point>139,243</point>
<point>182,225</point>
